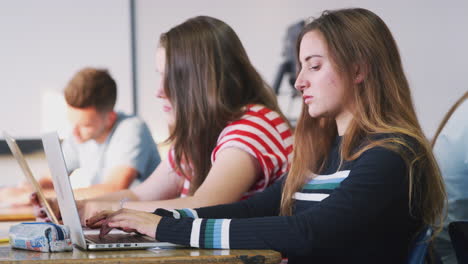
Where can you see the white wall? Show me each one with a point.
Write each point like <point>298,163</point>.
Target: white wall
<point>43,43</point>
<point>432,36</point>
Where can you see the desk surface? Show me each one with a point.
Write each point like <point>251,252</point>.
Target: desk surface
<point>185,255</point>
<point>9,255</point>
<point>18,213</point>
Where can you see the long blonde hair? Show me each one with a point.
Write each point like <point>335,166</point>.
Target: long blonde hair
<point>382,104</point>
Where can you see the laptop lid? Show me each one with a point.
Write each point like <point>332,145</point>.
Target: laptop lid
<point>63,189</point>
<point>67,204</point>
<point>19,157</point>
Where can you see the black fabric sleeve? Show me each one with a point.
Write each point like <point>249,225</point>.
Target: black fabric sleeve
<point>377,179</point>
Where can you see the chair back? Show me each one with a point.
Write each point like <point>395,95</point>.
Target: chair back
<point>420,247</point>
<point>459,236</point>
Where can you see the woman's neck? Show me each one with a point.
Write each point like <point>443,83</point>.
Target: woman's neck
<point>342,122</point>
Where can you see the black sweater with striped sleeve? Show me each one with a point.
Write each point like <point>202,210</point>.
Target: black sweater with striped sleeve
<point>356,213</point>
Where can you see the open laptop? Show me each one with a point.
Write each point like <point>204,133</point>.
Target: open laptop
<point>88,240</point>
<point>16,151</point>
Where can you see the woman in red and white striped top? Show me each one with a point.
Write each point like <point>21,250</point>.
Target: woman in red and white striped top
<point>263,134</point>
<point>229,138</point>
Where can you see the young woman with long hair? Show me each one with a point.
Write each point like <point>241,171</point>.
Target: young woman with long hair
<point>363,181</point>
<point>229,138</point>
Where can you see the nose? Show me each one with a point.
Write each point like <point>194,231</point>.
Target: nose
<point>301,83</point>
<point>160,92</point>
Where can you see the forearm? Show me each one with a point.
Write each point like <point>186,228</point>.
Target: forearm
<point>179,203</point>
<point>100,192</point>
<point>117,196</point>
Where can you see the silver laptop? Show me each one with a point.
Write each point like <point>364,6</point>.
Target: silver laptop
<point>86,239</point>
<point>19,157</point>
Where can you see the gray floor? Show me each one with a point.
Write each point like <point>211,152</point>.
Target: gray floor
<point>10,171</point>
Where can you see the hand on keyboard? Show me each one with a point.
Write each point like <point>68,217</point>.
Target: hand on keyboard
<point>126,220</point>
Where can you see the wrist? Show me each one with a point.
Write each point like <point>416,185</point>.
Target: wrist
<point>114,206</point>
<point>154,227</point>
<point>122,202</point>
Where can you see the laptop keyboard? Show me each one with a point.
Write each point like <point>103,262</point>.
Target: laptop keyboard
<point>118,238</point>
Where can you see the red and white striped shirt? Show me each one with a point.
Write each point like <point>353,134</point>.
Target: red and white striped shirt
<point>263,134</point>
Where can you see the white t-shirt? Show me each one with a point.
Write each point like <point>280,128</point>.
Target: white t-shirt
<point>129,144</point>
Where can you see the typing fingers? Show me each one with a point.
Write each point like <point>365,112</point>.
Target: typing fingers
<point>121,219</point>
<point>105,229</point>
<point>95,225</point>
<point>98,219</point>
<point>124,225</point>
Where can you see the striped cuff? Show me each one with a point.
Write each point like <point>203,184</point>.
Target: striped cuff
<point>210,233</point>
<point>176,213</point>
<point>202,233</point>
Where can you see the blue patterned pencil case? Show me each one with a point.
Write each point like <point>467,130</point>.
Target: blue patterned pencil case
<point>44,237</point>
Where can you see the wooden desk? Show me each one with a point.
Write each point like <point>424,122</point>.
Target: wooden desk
<point>19,213</point>
<point>192,256</point>
<point>185,255</point>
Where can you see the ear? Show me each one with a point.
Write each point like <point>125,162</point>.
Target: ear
<point>360,73</point>
<point>111,118</point>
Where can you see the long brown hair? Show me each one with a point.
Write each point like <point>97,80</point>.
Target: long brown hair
<point>209,80</point>
<point>358,38</point>
<point>447,117</point>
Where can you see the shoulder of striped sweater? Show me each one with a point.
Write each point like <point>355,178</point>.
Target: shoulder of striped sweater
<point>255,107</point>
<point>261,110</point>
<point>258,108</point>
